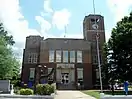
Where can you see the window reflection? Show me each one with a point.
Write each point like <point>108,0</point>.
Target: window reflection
<point>58,56</point>
<point>79,56</point>
<point>72,56</point>
<point>51,56</point>
<point>65,56</point>
<point>80,73</point>
<point>32,73</point>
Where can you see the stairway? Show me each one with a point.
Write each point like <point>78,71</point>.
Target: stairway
<point>69,86</point>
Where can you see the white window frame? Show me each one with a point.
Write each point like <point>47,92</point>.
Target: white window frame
<point>51,55</point>
<point>65,59</point>
<point>79,57</point>
<point>32,73</point>
<point>58,57</point>
<point>32,58</point>
<point>72,58</point>
<point>79,73</point>
<point>35,58</point>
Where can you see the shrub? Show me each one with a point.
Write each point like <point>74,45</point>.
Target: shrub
<point>44,89</point>
<point>52,88</point>
<point>26,91</point>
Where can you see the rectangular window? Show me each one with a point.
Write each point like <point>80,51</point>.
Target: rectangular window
<point>65,56</point>
<point>32,57</point>
<point>80,73</point>
<point>95,58</point>
<point>32,73</point>
<point>72,56</point>
<point>97,74</point>
<point>35,57</point>
<point>58,56</point>
<point>79,56</point>
<point>51,76</point>
<point>29,58</point>
<point>51,56</point>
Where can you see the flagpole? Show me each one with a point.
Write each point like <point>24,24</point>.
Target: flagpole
<point>98,53</point>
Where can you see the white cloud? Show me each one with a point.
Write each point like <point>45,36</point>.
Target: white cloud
<point>45,25</point>
<point>47,6</point>
<point>61,18</point>
<point>11,16</point>
<point>120,8</point>
<point>14,22</point>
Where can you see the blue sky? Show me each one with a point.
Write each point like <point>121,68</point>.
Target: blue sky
<point>77,9</point>
<point>47,18</point>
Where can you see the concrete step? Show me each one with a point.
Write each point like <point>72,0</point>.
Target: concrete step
<point>66,87</point>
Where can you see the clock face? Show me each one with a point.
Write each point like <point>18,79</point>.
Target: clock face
<point>95,26</point>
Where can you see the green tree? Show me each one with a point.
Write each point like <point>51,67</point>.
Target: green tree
<point>119,51</point>
<point>105,74</point>
<point>9,65</point>
<point>8,38</point>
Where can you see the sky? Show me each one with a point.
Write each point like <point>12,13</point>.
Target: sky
<point>49,18</point>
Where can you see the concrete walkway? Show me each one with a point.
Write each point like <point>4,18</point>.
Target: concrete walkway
<point>72,95</point>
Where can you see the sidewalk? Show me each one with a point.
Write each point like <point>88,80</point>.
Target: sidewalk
<point>72,95</point>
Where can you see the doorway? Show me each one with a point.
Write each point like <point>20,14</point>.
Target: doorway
<point>64,78</point>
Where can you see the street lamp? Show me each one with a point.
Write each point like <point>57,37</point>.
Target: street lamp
<point>98,54</point>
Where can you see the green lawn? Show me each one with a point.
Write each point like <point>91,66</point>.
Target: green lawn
<point>92,93</point>
<point>96,93</point>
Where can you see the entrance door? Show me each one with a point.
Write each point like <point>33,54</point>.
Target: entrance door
<point>65,78</point>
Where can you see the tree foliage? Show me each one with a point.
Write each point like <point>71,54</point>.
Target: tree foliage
<point>9,65</point>
<point>118,51</point>
<point>8,38</point>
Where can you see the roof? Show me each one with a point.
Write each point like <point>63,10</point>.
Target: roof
<point>65,43</point>
<point>63,39</point>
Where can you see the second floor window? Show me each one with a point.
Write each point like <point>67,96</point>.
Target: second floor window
<point>32,57</point>
<point>51,56</point>
<point>58,56</point>
<point>79,56</point>
<point>72,56</point>
<point>65,56</point>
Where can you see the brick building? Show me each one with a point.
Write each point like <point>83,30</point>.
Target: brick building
<point>73,59</point>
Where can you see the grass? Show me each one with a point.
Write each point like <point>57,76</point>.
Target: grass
<point>92,93</point>
<point>96,93</point>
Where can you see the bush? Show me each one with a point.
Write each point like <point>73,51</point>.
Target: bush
<point>26,91</point>
<point>44,89</point>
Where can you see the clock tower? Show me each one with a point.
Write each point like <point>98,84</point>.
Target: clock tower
<point>90,31</point>
<point>90,28</point>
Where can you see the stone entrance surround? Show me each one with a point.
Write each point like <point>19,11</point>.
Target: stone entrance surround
<point>65,72</point>
<point>65,76</point>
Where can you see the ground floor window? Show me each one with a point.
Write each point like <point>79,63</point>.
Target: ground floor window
<point>50,78</point>
<point>32,74</point>
<point>80,76</point>
<point>80,73</point>
<point>97,73</point>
